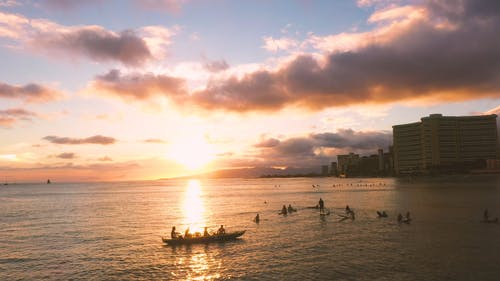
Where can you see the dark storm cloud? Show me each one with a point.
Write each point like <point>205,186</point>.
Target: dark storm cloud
<point>98,139</point>
<point>96,43</point>
<point>30,92</point>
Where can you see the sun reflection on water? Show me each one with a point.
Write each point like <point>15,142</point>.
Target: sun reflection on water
<point>193,207</point>
<point>198,266</point>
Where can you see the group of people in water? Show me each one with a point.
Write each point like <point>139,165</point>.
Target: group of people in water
<point>287,210</point>
<point>187,234</point>
<point>400,217</point>
<point>405,219</point>
<point>349,213</point>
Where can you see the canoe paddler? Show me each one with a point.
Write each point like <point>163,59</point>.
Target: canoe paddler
<point>174,234</point>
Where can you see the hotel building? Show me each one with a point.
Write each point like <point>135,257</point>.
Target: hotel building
<point>438,143</point>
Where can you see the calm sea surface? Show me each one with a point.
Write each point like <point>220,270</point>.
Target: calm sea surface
<point>112,231</point>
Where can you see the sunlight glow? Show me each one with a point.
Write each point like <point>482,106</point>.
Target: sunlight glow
<point>193,153</point>
<point>194,211</point>
<point>9,157</point>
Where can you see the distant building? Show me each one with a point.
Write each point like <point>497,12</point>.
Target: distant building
<point>324,170</point>
<point>445,144</point>
<point>368,166</point>
<point>334,169</point>
<point>380,160</point>
<point>348,163</point>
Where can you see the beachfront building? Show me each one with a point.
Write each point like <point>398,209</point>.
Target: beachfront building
<point>333,169</point>
<point>348,163</point>
<point>444,144</point>
<point>324,170</point>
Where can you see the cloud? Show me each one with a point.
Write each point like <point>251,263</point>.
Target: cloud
<point>138,86</point>
<point>7,122</point>
<point>97,44</point>
<point>68,4</point>
<point>437,52</point>
<point>130,47</point>
<point>216,66</point>
<point>154,141</point>
<point>368,3</point>
<point>347,138</point>
<point>66,155</point>
<point>10,116</point>
<point>172,6</point>
<point>281,44</point>
<point>18,112</point>
<point>98,139</point>
<point>105,158</point>
<point>496,111</point>
<point>9,3</point>
<point>30,92</point>
<point>271,142</point>
<point>318,149</point>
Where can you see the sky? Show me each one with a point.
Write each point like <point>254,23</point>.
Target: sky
<point>145,89</point>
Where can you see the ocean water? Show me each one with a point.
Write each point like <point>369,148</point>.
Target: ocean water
<point>112,231</point>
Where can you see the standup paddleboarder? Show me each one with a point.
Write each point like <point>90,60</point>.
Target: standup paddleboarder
<point>321,206</point>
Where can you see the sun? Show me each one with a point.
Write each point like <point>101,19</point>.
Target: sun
<point>192,153</point>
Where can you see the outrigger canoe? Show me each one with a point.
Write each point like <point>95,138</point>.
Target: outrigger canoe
<point>204,239</point>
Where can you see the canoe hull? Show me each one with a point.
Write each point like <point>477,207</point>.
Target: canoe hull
<point>204,240</point>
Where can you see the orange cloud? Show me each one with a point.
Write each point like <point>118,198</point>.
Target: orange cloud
<point>66,155</point>
<point>412,56</point>
<point>30,92</point>
<point>98,139</point>
<point>435,52</point>
<point>138,86</point>
<point>154,141</point>
<point>10,116</point>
